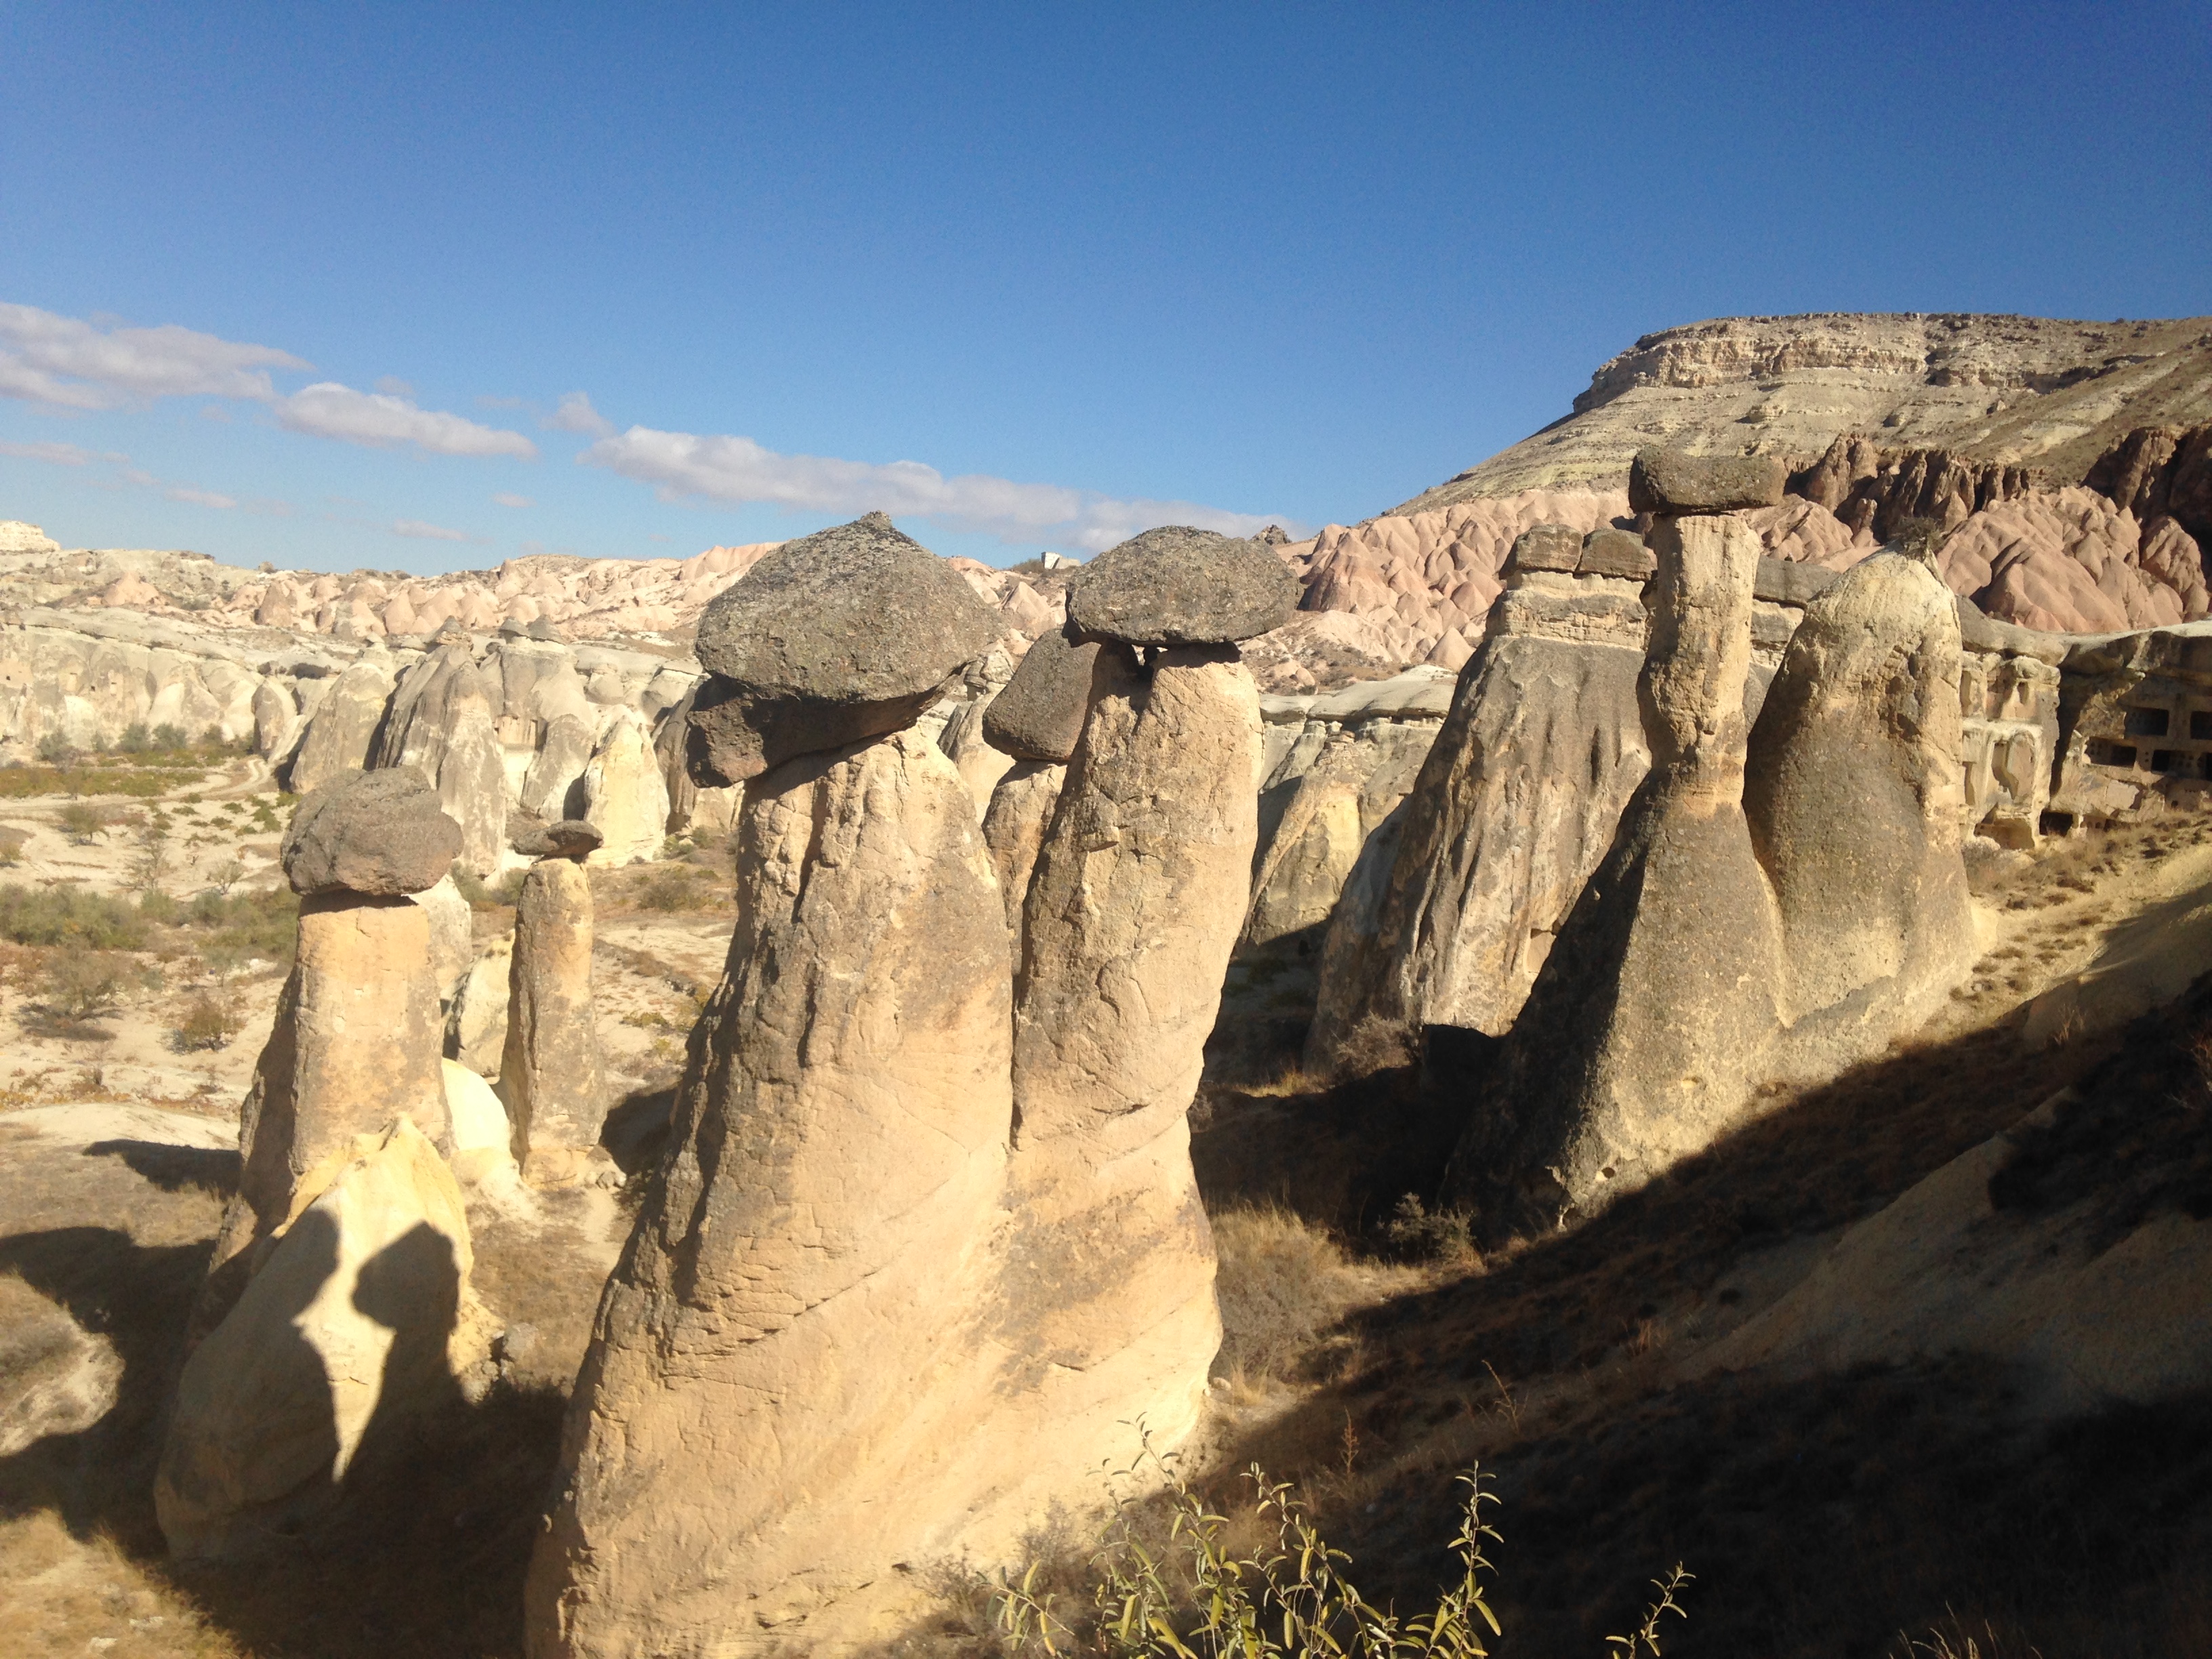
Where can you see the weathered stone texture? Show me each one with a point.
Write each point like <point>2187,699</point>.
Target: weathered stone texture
<point>549,1075</point>
<point>378,833</point>
<point>1177,586</point>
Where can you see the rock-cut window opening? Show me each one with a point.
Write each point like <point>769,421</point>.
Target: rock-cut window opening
<point>2149,722</point>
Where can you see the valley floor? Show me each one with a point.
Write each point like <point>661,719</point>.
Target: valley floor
<point>1827,1502</point>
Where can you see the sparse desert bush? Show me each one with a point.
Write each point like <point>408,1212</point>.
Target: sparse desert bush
<point>55,750</point>
<point>674,887</point>
<point>81,985</point>
<point>243,927</point>
<point>209,1021</point>
<point>68,917</point>
<point>169,736</point>
<point>12,843</point>
<point>82,822</point>
<point>1416,1233</point>
<point>136,739</point>
<point>1282,1284</point>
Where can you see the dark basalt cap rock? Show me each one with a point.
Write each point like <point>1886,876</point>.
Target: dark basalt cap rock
<point>378,833</point>
<point>1667,481</point>
<point>1612,552</point>
<point>1039,716</point>
<point>571,838</point>
<point>1177,586</point>
<point>844,634</point>
<point>1546,547</point>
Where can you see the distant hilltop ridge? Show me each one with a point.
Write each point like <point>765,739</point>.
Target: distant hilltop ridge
<point>2027,391</point>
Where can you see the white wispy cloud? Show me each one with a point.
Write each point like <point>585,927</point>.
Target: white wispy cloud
<point>59,454</point>
<point>428,532</point>
<point>575,414</point>
<point>75,364</point>
<point>199,497</point>
<point>733,469</point>
<point>509,498</point>
<point>381,421</point>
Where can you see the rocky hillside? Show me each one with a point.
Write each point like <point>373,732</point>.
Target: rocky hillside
<point>2028,390</point>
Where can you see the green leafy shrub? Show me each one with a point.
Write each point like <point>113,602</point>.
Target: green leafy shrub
<point>55,750</point>
<point>169,736</point>
<point>66,916</point>
<point>136,739</point>
<point>245,927</point>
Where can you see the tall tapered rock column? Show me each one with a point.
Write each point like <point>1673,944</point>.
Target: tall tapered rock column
<point>1653,1018</point>
<point>550,1075</point>
<point>356,1041</point>
<point>338,1308</point>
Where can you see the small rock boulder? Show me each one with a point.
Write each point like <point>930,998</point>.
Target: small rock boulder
<point>841,636</point>
<point>1039,716</point>
<point>1177,586</point>
<point>571,838</point>
<point>378,833</point>
<point>1667,481</point>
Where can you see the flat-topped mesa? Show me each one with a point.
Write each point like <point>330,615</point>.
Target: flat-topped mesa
<point>834,638</point>
<point>1177,586</point>
<point>866,1319</point>
<point>551,1080</point>
<point>357,1036</point>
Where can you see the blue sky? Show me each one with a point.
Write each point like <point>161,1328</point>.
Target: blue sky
<point>333,286</point>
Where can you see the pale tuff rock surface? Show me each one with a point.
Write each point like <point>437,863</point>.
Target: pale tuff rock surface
<point>475,1023</point>
<point>1039,716</point>
<point>795,1322</point>
<point>483,1141</point>
<point>2019,389</point>
<point>1014,826</point>
<point>624,797</point>
<point>1853,794</point>
<point>452,934</point>
<point>1177,586</point>
<point>344,725</point>
<point>550,1075</point>
<point>838,636</point>
<point>355,1048</point>
<point>1655,1008</point>
<point>852,1328</point>
<point>1516,803</point>
<point>440,721</point>
<point>2072,562</point>
<point>376,832</point>
<point>16,537</point>
<point>1136,897</point>
<point>360,1318</point>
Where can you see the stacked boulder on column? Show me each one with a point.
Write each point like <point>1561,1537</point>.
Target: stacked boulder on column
<point>337,1291</point>
<point>863,1319</point>
<point>1037,720</point>
<point>550,1075</point>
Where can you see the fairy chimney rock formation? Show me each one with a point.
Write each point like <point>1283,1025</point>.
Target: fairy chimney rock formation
<point>549,1075</point>
<point>357,1040</point>
<point>874,1312</point>
<point>1517,802</point>
<point>837,637</point>
<point>1856,805</point>
<point>1655,1009</point>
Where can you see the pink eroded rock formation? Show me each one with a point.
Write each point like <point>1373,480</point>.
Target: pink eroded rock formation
<point>1420,585</point>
